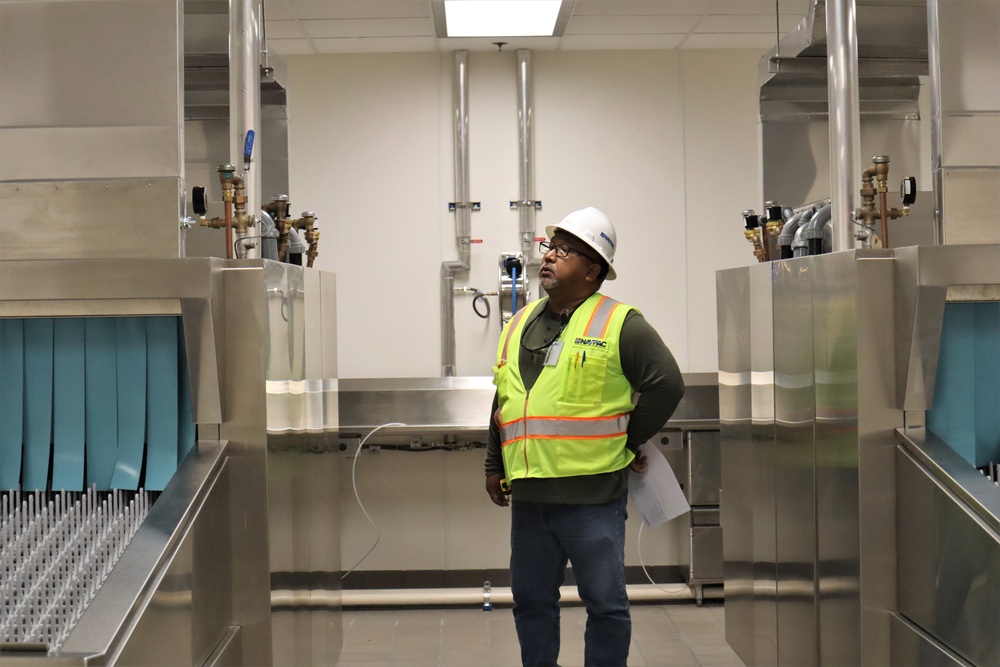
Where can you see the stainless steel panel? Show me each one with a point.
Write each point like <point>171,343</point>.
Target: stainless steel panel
<point>970,51</point>
<point>764,453</point>
<point>206,146</point>
<point>953,473</point>
<point>964,42</point>
<point>304,520</point>
<point>704,467</point>
<point>706,553</point>
<point>920,284</point>
<point>968,204</point>
<point>127,218</point>
<point>105,628</point>
<point>245,427</point>
<point>794,462</point>
<point>949,557</point>
<point>705,516</point>
<point>795,155</point>
<point>736,502</point>
<point>98,99</point>
<point>912,647</point>
<point>194,596</point>
<point>878,417</point>
<point>303,465</point>
<point>971,141</point>
<point>73,62</point>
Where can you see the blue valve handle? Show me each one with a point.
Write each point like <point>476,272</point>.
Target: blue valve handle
<point>248,149</point>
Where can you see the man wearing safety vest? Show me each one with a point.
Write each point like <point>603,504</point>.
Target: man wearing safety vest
<point>582,381</point>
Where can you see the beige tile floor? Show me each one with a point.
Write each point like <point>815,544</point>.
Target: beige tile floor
<point>668,635</point>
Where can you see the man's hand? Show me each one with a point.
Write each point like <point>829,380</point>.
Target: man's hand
<point>638,464</point>
<point>496,493</point>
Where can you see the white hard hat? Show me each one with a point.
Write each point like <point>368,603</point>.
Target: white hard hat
<point>593,228</point>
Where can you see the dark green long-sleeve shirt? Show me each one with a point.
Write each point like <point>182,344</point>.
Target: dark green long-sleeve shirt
<point>651,370</point>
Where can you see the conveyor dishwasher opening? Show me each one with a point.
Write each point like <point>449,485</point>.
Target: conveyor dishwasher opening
<point>96,418</point>
<point>966,408</point>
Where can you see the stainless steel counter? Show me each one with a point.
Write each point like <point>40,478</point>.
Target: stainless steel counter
<point>455,411</point>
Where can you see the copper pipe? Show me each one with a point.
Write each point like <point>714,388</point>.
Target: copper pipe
<point>883,208</point>
<point>229,230</point>
<point>881,168</point>
<point>226,181</point>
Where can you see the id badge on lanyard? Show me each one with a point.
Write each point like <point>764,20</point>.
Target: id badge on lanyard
<point>552,354</point>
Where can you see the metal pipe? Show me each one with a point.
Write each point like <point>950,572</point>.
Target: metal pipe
<point>244,96</point>
<point>463,207</point>
<point>936,120</point>
<point>463,211</point>
<point>842,93</point>
<point>448,317</point>
<point>474,596</point>
<point>526,155</point>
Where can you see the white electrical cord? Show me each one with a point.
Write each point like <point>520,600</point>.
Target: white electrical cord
<point>638,547</point>
<point>354,483</point>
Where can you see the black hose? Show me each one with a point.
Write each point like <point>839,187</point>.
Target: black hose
<point>479,295</point>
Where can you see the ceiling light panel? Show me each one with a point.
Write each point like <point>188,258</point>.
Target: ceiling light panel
<point>501,18</point>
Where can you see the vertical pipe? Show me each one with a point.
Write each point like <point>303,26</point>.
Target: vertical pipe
<point>463,211</point>
<point>842,91</point>
<point>244,99</point>
<point>936,103</point>
<point>448,318</point>
<point>526,155</point>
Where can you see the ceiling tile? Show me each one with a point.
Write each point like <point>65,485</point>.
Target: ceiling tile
<point>640,7</point>
<point>370,28</point>
<point>376,45</point>
<point>277,10</point>
<point>291,47</point>
<point>619,42</point>
<point>360,9</point>
<point>630,25</point>
<point>284,30</point>
<point>761,41</point>
<point>763,7</point>
<point>745,24</point>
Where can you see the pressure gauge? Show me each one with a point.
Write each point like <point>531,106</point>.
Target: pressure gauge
<point>908,190</point>
<point>199,200</point>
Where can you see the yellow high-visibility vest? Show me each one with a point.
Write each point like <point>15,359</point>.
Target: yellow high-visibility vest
<point>574,419</point>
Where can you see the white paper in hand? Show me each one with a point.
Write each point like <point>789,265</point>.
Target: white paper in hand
<point>656,494</point>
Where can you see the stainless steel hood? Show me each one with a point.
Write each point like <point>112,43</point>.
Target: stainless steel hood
<point>892,54</point>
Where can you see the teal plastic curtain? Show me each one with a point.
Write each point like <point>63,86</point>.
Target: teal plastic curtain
<point>966,409</point>
<point>93,402</point>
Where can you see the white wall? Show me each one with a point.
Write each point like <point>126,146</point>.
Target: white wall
<point>665,142</point>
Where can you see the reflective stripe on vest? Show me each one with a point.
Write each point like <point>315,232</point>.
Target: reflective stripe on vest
<point>564,427</point>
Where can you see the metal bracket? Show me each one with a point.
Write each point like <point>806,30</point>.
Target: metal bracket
<point>474,205</point>
<point>537,203</point>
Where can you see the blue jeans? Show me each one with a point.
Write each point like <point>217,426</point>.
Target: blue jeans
<point>543,538</point>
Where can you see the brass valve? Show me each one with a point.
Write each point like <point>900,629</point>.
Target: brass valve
<point>875,181</point>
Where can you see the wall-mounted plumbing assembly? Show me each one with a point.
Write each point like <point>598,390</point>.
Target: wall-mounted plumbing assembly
<point>783,233</point>
<point>874,180</point>
<point>513,284</point>
<point>281,237</point>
